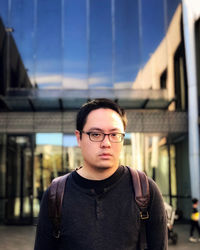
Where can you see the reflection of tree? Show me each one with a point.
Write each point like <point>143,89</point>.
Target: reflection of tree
<point>40,189</point>
<point>67,159</point>
<point>41,172</point>
<point>48,164</point>
<point>52,166</point>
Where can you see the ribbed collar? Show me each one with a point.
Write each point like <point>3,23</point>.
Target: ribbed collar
<point>98,185</point>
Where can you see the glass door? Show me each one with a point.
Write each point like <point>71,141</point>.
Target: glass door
<point>47,165</point>
<point>19,179</point>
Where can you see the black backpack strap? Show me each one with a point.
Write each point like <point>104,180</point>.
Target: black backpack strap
<point>142,198</point>
<point>55,198</point>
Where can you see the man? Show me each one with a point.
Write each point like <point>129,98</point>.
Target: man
<point>99,211</point>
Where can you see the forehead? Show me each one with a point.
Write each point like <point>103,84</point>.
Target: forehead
<point>105,119</point>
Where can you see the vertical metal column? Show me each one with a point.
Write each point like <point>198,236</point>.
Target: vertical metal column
<point>189,38</point>
<point>88,41</point>
<point>113,40</point>
<point>169,166</point>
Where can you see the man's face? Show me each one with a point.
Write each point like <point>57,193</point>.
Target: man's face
<point>105,154</point>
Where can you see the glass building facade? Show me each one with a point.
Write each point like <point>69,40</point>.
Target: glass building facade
<point>80,44</point>
<point>56,55</point>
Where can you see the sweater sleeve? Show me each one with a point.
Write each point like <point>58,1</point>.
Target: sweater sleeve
<point>157,233</point>
<point>44,234</point>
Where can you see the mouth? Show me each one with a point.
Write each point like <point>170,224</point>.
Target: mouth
<point>105,155</point>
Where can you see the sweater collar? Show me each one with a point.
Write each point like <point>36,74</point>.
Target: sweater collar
<point>98,185</point>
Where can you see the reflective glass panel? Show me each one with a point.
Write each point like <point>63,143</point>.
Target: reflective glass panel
<point>19,179</point>
<point>72,157</point>
<point>2,175</point>
<point>75,44</point>
<point>47,164</point>
<point>153,27</point>
<point>149,153</point>
<point>21,16</point>
<point>4,12</point>
<point>85,44</point>
<point>48,68</point>
<point>100,44</point>
<point>126,44</point>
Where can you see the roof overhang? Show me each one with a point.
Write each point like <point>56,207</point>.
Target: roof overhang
<point>72,99</point>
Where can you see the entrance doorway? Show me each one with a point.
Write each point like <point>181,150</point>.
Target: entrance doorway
<point>19,179</point>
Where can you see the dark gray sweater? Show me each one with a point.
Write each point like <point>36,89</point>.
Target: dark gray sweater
<point>102,215</point>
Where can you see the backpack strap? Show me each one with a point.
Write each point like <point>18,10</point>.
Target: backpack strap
<point>142,198</point>
<point>55,198</point>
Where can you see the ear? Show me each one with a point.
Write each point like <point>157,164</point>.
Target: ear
<point>78,138</point>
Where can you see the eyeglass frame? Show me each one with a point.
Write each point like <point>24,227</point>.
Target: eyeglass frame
<point>104,135</point>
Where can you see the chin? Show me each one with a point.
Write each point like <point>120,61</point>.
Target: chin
<point>105,166</point>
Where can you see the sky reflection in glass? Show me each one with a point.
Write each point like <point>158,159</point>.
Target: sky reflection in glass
<point>86,43</point>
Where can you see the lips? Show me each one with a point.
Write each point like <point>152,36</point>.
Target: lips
<point>105,155</point>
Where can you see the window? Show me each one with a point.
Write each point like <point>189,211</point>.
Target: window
<point>163,80</point>
<point>180,78</point>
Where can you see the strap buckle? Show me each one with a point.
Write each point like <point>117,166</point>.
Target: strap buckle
<point>56,234</point>
<point>144,215</point>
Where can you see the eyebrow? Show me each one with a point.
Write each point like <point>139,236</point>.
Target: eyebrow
<point>101,130</point>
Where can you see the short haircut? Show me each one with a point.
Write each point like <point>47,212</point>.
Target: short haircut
<point>97,104</point>
<point>194,200</point>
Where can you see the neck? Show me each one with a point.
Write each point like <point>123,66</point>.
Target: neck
<point>96,173</point>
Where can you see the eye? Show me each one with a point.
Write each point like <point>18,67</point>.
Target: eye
<point>115,135</point>
<point>94,134</point>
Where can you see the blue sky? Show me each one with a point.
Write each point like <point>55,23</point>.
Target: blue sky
<point>56,139</point>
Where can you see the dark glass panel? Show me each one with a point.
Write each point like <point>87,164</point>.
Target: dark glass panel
<point>180,78</point>
<point>4,12</point>
<point>19,180</point>
<point>2,175</point>
<point>22,21</point>
<point>163,80</point>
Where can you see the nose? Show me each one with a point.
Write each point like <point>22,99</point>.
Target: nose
<point>105,142</point>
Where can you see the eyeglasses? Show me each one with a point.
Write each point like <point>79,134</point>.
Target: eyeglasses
<point>100,136</point>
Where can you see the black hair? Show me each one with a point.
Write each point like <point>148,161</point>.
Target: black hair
<point>97,104</point>
<point>194,200</point>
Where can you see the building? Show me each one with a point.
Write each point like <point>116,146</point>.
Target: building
<point>56,55</point>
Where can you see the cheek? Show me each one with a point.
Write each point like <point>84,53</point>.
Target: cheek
<point>118,148</point>
<point>87,148</point>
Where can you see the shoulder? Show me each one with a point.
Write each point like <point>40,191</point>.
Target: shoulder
<point>155,192</point>
<point>153,186</point>
<point>59,182</point>
<point>56,185</point>
<point>156,204</point>
<point>60,178</point>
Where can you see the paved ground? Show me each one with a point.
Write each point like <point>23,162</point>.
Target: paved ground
<point>183,234</point>
<point>17,237</point>
<point>22,238</point>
